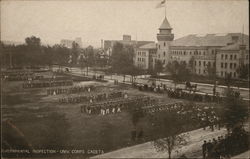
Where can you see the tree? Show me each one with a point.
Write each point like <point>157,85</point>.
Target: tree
<point>33,41</point>
<point>179,71</point>
<point>33,54</point>
<point>235,110</point>
<point>60,55</point>
<point>243,71</point>
<point>191,64</point>
<point>228,79</point>
<point>158,66</point>
<point>81,62</point>
<point>122,61</point>
<point>211,71</point>
<point>75,52</point>
<point>169,126</point>
<point>89,58</point>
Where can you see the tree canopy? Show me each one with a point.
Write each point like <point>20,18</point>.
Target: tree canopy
<point>122,60</point>
<point>179,71</point>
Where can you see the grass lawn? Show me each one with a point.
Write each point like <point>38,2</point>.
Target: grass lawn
<point>47,124</point>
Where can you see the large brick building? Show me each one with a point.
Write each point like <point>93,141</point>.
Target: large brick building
<point>223,52</point>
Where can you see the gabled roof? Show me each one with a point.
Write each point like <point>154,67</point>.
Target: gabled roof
<point>165,24</point>
<point>210,39</point>
<point>148,46</point>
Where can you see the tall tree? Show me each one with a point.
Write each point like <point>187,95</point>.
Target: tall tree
<point>75,52</point>
<point>243,71</point>
<point>235,110</point>
<point>33,41</point>
<point>179,71</point>
<point>34,54</point>
<point>191,64</point>
<point>122,61</point>
<point>158,66</point>
<point>89,57</point>
<point>168,126</point>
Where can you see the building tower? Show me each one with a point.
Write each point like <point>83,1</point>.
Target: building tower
<point>164,37</point>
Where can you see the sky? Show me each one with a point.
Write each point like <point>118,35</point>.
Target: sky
<point>93,20</point>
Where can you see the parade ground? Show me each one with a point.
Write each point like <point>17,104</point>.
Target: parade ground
<point>48,124</point>
<point>80,116</point>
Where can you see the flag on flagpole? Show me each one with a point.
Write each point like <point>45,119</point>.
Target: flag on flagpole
<point>161,4</point>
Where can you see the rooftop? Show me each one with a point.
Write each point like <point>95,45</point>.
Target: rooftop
<point>165,24</point>
<point>210,39</point>
<point>148,46</point>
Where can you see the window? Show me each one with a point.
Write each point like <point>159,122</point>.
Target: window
<point>214,64</point>
<point>164,44</point>
<point>204,71</point>
<point>231,57</point>
<point>212,52</point>
<point>195,63</point>
<point>234,74</point>
<point>184,52</point>
<point>199,63</point>
<point>204,53</point>
<point>221,73</point>
<point>209,63</point>
<point>235,57</point>
<point>234,65</point>
<point>138,59</point>
<point>164,54</point>
<point>222,55</point>
<point>199,71</point>
<point>190,53</point>
<point>163,61</point>
<point>221,65</point>
<point>231,65</point>
<point>225,65</point>
<point>204,63</point>
<point>199,53</point>
<point>159,46</point>
<point>226,57</point>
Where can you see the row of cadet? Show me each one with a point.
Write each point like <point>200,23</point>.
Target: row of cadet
<point>199,115</point>
<point>116,106</point>
<point>92,98</point>
<point>70,90</point>
<point>23,76</point>
<point>224,147</point>
<point>42,84</point>
<point>179,93</point>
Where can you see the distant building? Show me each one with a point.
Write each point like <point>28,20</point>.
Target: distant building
<point>146,56</point>
<point>68,43</point>
<point>108,44</point>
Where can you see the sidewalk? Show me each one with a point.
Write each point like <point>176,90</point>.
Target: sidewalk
<point>245,155</point>
<point>147,150</point>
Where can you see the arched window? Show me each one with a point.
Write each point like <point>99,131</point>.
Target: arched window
<point>164,44</point>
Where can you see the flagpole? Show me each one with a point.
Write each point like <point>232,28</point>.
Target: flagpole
<point>165,9</point>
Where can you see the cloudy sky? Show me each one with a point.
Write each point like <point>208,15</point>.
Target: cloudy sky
<point>93,20</point>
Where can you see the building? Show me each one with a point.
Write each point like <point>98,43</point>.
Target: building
<point>108,44</point>
<point>204,50</point>
<point>230,58</point>
<point>68,43</point>
<point>223,53</point>
<point>146,56</point>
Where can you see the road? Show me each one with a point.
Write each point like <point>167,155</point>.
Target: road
<point>201,87</point>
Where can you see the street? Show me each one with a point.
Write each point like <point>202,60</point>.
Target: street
<point>201,87</point>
